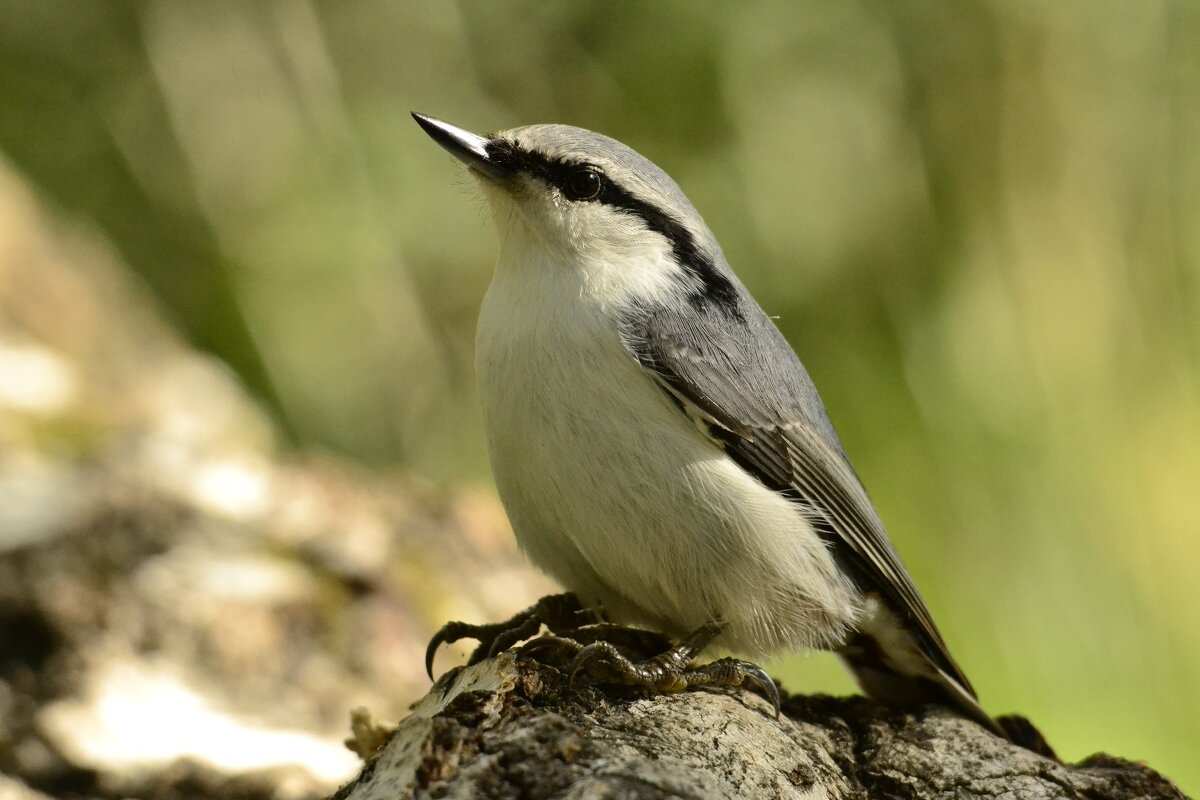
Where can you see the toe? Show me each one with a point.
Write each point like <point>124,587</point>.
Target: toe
<point>589,656</point>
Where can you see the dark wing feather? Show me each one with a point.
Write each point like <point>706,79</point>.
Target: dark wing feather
<point>742,377</point>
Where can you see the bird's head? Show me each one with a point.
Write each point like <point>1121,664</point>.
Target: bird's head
<point>572,199</point>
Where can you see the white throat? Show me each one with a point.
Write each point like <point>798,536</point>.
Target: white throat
<point>554,263</point>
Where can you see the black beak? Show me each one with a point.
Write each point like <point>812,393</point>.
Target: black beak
<point>463,145</point>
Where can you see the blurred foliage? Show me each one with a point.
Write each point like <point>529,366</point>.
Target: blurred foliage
<point>978,222</point>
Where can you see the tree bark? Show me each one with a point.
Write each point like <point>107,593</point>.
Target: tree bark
<point>509,728</point>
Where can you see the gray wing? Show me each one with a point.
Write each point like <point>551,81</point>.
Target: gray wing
<point>738,374</point>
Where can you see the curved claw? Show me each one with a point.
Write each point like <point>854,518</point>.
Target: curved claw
<point>431,651</point>
<point>759,679</point>
<point>449,633</point>
<point>586,654</point>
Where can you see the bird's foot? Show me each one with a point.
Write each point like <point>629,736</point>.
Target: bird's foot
<point>670,671</point>
<point>559,650</point>
<point>561,613</point>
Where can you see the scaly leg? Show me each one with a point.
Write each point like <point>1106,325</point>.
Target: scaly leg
<point>559,650</point>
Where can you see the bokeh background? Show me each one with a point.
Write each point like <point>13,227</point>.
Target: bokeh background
<point>977,222</point>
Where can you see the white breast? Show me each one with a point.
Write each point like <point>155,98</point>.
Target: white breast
<point>613,492</point>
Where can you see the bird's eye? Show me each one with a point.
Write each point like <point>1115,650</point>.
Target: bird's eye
<point>583,184</point>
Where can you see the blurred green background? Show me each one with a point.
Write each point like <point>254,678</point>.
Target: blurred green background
<point>977,222</point>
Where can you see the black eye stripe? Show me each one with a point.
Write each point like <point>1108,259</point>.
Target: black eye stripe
<point>555,172</point>
<point>716,289</point>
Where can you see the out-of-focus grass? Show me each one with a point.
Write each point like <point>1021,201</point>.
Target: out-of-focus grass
<point>979,224</point>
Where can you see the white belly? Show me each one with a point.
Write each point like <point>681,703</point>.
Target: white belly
<point>613,492</point>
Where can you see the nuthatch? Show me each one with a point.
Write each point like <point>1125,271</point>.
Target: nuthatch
<point>658,446</point>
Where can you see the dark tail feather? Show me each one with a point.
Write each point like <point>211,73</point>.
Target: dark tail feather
<point>911,680</point>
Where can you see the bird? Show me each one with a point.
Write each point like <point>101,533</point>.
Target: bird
<point>659,448</point>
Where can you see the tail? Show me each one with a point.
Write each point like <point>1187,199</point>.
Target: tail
<point>890,666</point>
